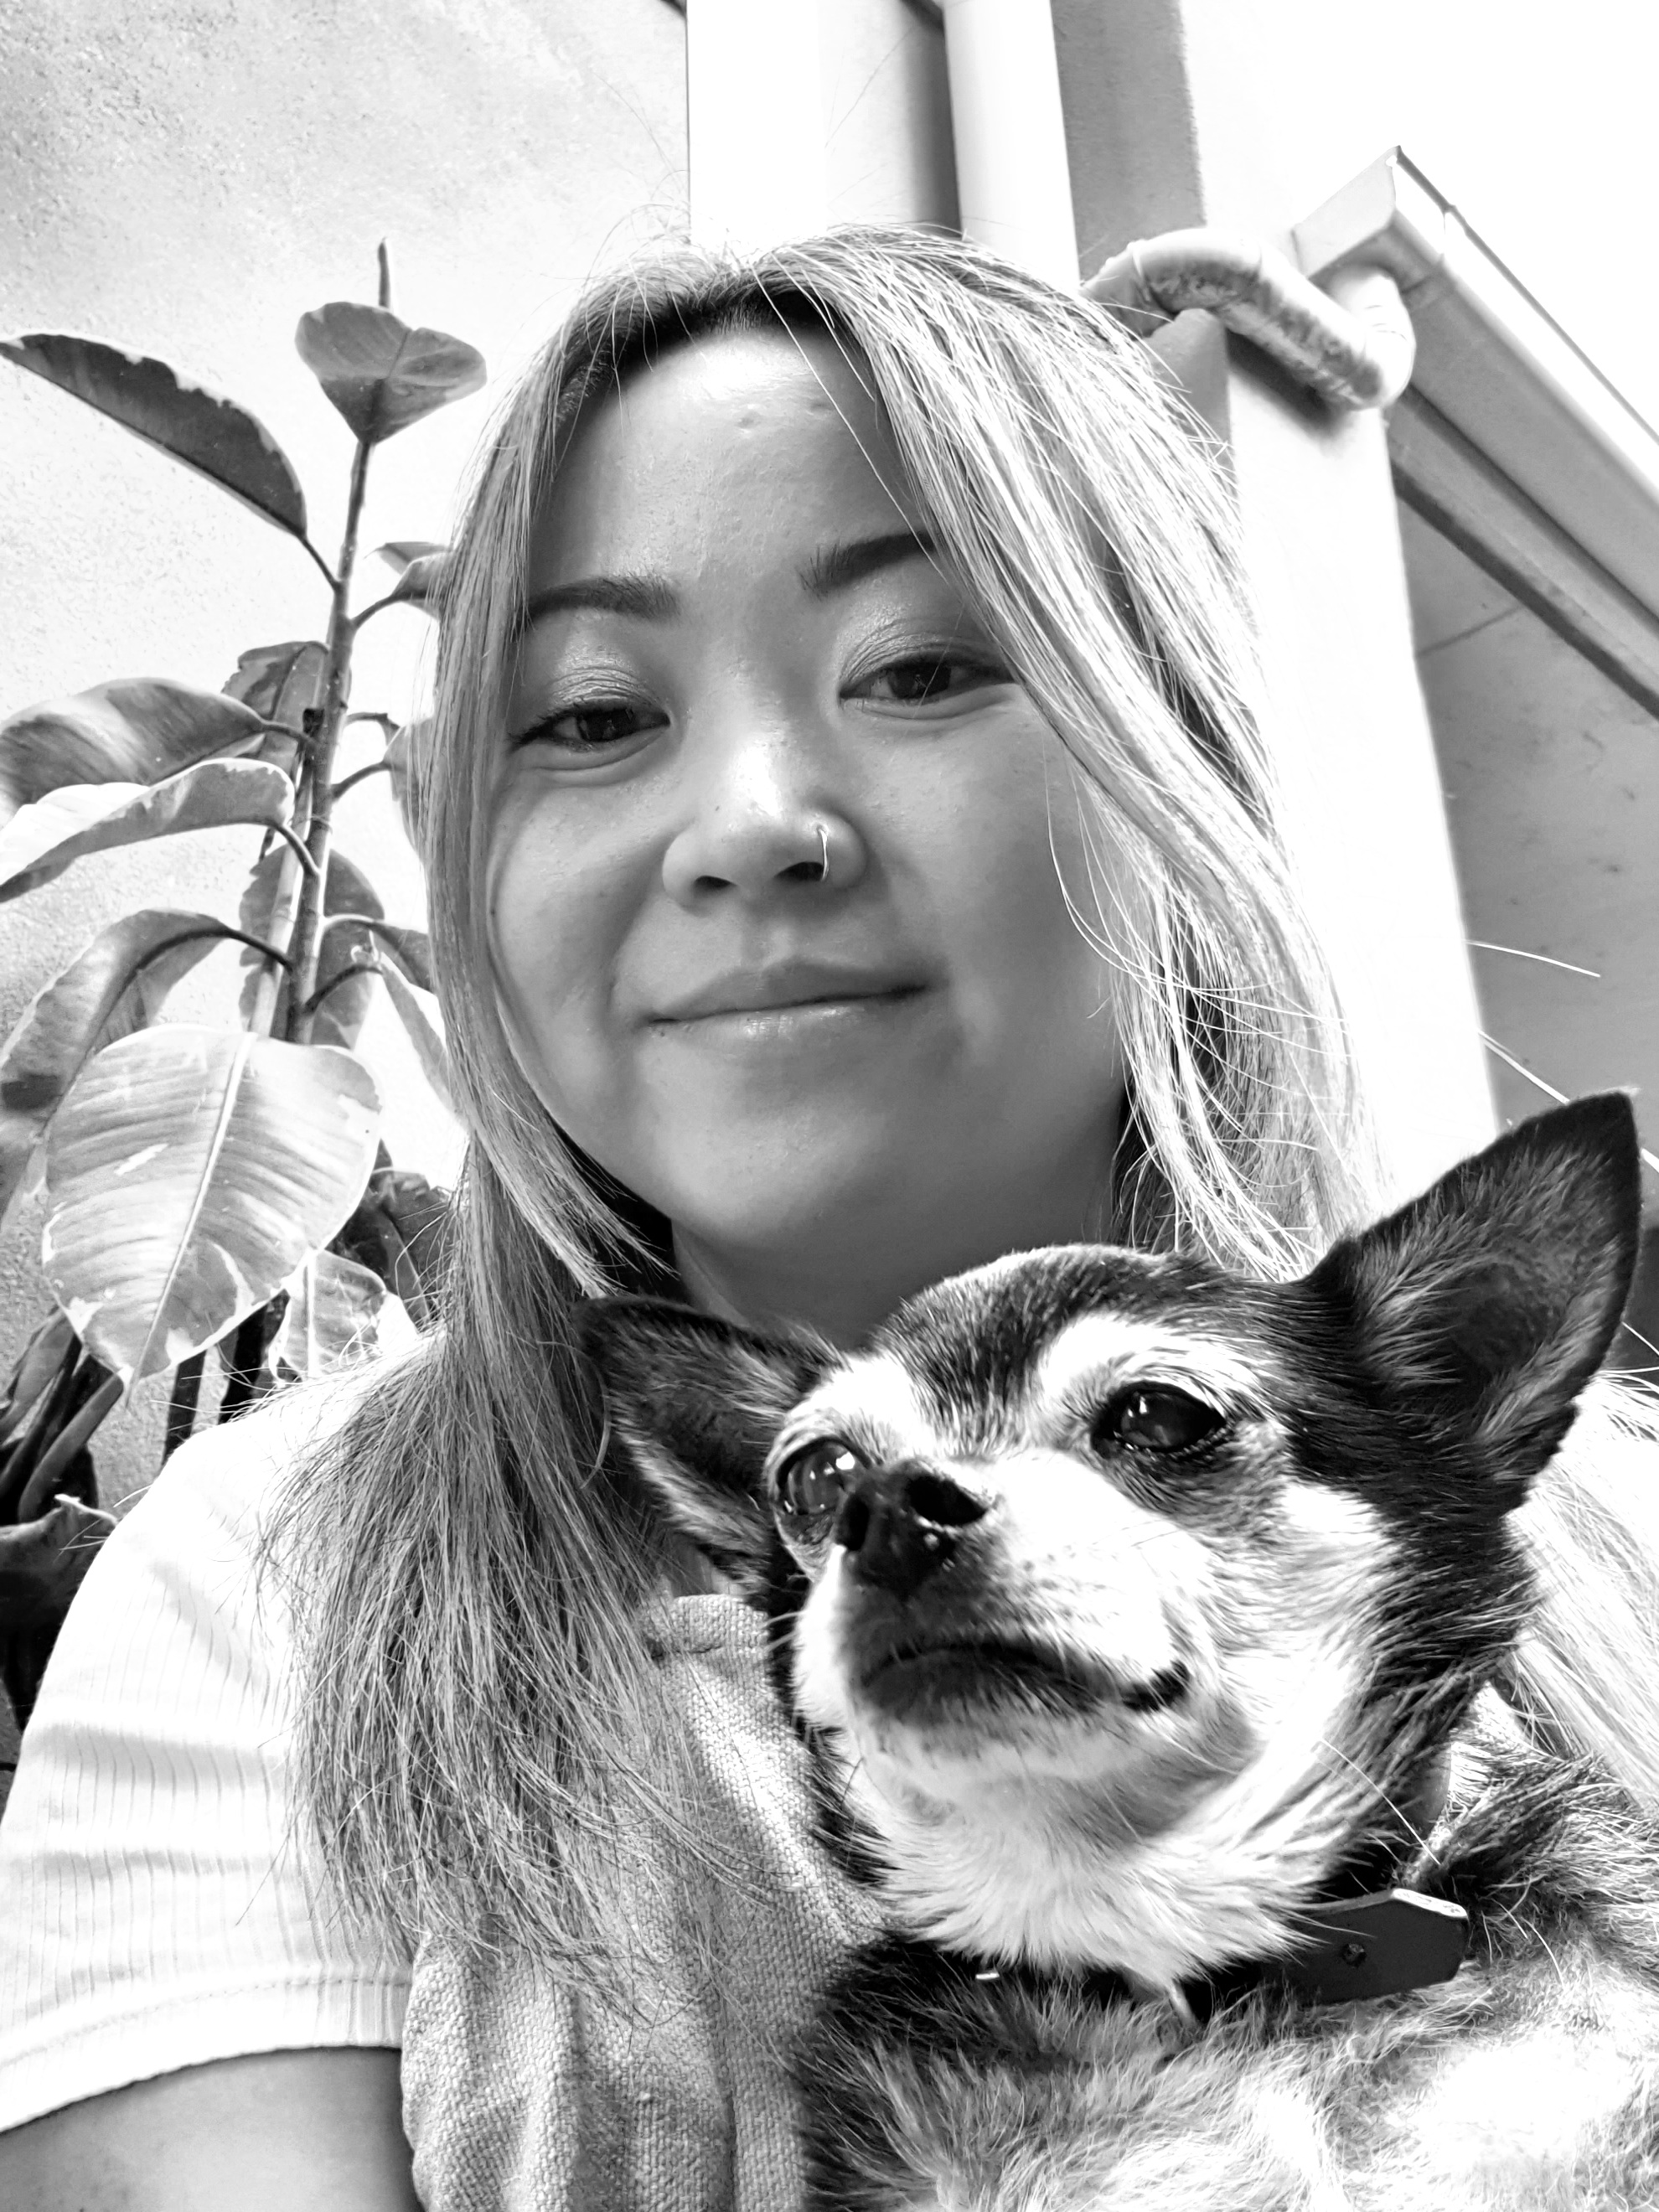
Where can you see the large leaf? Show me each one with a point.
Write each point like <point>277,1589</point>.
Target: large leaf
<point>421,583</point>
<point>59,1396</point>
<point>380,374</point>
<point>399,957</point>
<point>402,1229</point>
<point>400,552</point>
<point>339,1315</point>
<point>285,683</point>
<point>111,989</point>
<point>348,890</point>
<point>40,841</point>
<point>355,947</point>
<point>424,1033</point>
<point>37,1370</point>
<point>135,731</point>
<point>188,1174</point>
<point>403,758</point>
<point>281,682</point>
<point>339,1019</point>
<point>208,434</point>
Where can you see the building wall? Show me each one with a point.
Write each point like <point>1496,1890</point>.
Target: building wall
<point>1553,788</point>
<point>1182,112</point>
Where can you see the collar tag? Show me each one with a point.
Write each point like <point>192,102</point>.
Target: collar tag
<point>1376,1947</point>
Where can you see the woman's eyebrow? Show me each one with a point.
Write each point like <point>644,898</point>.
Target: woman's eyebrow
<point>835,567</point>
<point>651,597</point>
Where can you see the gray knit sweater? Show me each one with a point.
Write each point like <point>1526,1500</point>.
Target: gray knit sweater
<point>521,2097</point>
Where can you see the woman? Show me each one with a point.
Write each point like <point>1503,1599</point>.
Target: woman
<point>853,855</point>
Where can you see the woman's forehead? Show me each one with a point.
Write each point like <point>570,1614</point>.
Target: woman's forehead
<point>752,431</point>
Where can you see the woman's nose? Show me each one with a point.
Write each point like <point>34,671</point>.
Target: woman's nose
<point>763,815</point>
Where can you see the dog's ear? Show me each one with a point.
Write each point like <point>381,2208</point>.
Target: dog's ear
<point>1482,1309</point>
<point>696,1401</point>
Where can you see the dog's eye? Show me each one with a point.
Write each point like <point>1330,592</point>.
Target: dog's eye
<point>812,1481</point>
<point>1154,1418</point>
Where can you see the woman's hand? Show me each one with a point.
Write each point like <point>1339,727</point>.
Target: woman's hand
<point>262,2134</point>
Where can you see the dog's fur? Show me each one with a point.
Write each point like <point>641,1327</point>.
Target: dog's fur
<point>1129,1610</point>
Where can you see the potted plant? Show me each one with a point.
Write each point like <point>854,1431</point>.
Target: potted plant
<point>210,1185</point>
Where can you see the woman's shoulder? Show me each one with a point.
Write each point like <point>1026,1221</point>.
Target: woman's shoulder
<point>179,1566</point>
<point>176,1605</point>
<point>230,1474</point>
<point>158,1896</point>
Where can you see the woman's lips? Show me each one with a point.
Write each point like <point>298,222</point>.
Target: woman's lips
<point>792,989</point>
<point>793,1021</point>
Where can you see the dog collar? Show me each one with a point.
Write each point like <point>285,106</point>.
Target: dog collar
<point>1349,1950</point>
<point>1374,1947</point>
<point>1346,1951</point>
<point>1387,1939</point>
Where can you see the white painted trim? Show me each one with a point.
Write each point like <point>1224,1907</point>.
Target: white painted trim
<point>1013,180</point>
<point>1502,371</point>
<point>755,121</point>
<point>1440,474</point>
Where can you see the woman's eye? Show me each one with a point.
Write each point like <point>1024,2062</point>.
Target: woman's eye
<point>592,727</point>
<point>923,678</point>
<point>1154,1418</point>
<point>811,1482</point>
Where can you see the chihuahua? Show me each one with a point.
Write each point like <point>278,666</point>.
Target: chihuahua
<point>1141,1622</point>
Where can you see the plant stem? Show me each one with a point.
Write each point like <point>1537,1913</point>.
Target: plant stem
<point>221,932</point>
<point>305,872</point>
<point>296,845</point>
<point>320,996</point>
<point>181,1405</point>
<point>304,945</point>
<point>283,908</point>
<point>375,606</point>
<point>319,559</point>
<point>358,774</point>
<point>248,1347</point>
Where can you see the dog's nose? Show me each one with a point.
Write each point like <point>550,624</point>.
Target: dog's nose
<point>898,1524</point>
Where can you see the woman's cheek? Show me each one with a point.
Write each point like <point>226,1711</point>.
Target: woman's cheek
<point>535,942</point>
<point>566,909</point>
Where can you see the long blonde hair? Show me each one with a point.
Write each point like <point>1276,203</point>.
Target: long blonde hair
<point>479,1734</point>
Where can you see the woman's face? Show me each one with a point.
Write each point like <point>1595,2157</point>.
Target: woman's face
<point>773,891</point>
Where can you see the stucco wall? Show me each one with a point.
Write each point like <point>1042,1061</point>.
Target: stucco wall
<point>187,180</point>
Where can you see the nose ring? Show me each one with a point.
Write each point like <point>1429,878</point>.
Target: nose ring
<point>824,853</point>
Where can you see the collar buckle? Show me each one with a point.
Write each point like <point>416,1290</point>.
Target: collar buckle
<point>1355,1947</point>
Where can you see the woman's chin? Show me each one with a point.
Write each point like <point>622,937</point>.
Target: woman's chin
<point>777,1214</point>
<point>798,1210</point>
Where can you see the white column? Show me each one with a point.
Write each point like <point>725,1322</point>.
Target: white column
<point>1013,183</point>
<point>753,90</point>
